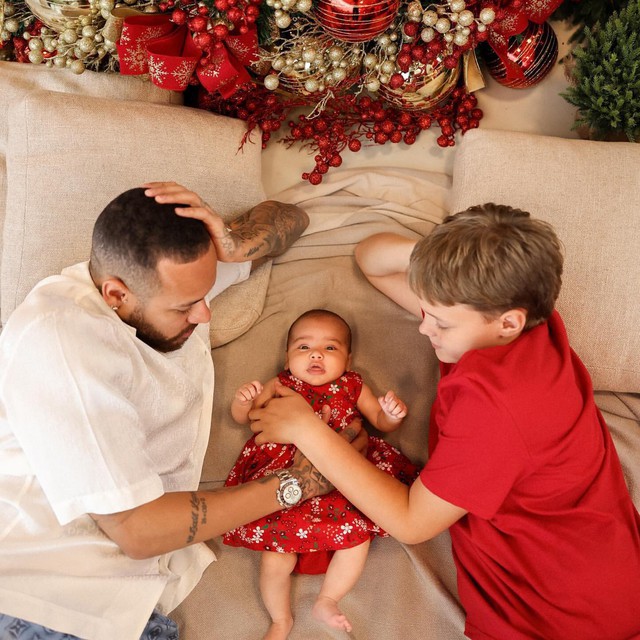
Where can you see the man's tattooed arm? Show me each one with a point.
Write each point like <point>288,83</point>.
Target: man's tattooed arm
<point>312,482</point>
<point>264,232</point>
<point>198,516</point>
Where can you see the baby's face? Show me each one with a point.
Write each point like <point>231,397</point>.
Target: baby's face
<point>318,351</point>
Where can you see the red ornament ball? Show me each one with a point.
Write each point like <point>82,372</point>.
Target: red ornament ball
<point>531,54</point>
<point>356,20</point>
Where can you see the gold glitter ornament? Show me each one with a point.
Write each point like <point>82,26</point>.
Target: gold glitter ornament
<point>424,88</point>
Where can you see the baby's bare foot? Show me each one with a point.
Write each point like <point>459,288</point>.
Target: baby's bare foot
<point>279,630</point>
<point>326,610</point>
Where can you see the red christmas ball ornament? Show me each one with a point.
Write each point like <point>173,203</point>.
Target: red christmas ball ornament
<point>356,20</point>
<point>179,16</point>
<point>531,54</point>
<point>198,24</point>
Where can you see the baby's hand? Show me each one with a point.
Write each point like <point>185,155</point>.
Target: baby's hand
<point>392,406</point>
<point>248,392</point>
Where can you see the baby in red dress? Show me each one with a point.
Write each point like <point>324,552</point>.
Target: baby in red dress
<point>327,533</point>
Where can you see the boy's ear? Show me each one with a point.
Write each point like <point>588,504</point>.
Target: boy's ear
<point>512,322</point>
<point>349,362</point>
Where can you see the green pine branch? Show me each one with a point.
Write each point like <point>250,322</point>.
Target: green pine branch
<point>606,77</point>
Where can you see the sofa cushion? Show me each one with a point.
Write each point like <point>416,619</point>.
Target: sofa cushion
<point>16,80</point>
<point>69,155</point>
<point>590,192</point>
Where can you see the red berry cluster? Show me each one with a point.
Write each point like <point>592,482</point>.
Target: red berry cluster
<point>346,121</point>
<point>212,21</point>
<point>254,104</point>
<point>415,50</point>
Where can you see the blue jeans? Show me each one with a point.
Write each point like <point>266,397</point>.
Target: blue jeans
<point>159,627</point>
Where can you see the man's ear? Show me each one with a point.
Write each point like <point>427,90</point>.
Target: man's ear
<point>114,292</point>
<point>512,322</point>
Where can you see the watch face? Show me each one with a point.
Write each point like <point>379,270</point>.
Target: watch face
<point>292,493</point>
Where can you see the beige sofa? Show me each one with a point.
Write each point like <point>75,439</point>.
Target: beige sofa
<point>71,143</point>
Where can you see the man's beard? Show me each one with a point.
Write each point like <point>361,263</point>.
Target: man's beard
<point>153,338</point>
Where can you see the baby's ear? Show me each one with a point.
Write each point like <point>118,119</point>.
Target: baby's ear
<point>513,322</point>
<point>348,362</point>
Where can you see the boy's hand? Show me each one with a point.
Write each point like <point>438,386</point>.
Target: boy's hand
<point>392,406</point>
<point>248,392</point>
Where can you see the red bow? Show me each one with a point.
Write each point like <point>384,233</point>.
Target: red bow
<point>513,17</point>
<point>153,44</point>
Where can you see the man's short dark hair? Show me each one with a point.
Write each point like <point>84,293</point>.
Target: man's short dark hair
<point>134,232</point>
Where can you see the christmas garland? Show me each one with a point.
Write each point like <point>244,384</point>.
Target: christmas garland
<point>362,71</point>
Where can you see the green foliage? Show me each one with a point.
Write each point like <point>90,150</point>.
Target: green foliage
<point>606,76</point>
<point>586,13</point>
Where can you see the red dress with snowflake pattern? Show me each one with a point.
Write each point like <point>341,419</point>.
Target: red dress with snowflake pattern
<point>326,523</point>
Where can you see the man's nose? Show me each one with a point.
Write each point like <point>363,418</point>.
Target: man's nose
<point>200,313</point>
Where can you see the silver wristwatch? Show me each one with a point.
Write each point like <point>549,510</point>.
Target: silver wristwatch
<point>289,493</point>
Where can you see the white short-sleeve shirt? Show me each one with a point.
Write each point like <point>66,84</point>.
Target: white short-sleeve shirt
<point>92,420</point>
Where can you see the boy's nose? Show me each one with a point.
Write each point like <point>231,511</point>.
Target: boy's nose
<point>316,355</point>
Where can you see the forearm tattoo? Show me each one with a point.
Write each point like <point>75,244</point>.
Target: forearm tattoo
<point>198,515</point>
<point>268,229</point>
<point>312,482</point>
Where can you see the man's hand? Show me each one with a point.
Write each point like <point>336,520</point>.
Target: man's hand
<point>312,482</point>
<point>265,231</point>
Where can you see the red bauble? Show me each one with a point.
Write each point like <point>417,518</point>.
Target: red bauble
<point>533,53</point>
<point>356,20</point>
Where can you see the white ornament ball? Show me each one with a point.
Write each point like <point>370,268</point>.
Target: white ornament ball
<point>442,25</point>
<point>311,85</point>
<point>465,18</point>
<point>460,39</point>
<point>457,5</point>
<point>304,6</point>
<point>271,82</point>
<point>427,34</point>
<point>373,85</point>
<point>77,67</point>
<point>69,36</point>
<point>283,21</point>
<point>487,16</point>
<point>35,57</point>
<point>370,61</point>
<point>429,18</point>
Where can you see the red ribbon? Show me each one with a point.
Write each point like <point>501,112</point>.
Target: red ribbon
<point>517,15</point>
<point>167,52</point>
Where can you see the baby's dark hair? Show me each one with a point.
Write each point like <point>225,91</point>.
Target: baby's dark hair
<point>133,232</point>
<point>493,258</point>
<point>321,313</point>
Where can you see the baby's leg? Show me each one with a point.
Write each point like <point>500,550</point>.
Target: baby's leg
<point>344,570</point>
<point>275,587</point>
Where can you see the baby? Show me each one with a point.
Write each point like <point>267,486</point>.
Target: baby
<point>328,532</point>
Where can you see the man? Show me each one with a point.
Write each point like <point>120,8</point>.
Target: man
<point>106,389</point>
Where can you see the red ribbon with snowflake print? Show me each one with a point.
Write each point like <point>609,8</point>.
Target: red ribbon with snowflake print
<point>512,18</point>
<point>167,52</point>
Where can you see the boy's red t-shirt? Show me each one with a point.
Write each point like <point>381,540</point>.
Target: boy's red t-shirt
<point>550,548</point>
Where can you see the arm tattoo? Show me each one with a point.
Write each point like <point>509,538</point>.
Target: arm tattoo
<point>268,229</point>
<point>198,515</point>
<point>312,482</point>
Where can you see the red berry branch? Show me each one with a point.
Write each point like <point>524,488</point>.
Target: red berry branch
<point>348,121</point>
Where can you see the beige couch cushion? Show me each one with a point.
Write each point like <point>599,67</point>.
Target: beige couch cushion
<point>69,155</point>
<point>590,192</point>
<point>16,80</point>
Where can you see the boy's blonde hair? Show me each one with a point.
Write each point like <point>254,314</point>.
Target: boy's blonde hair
<point>492,258</point>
